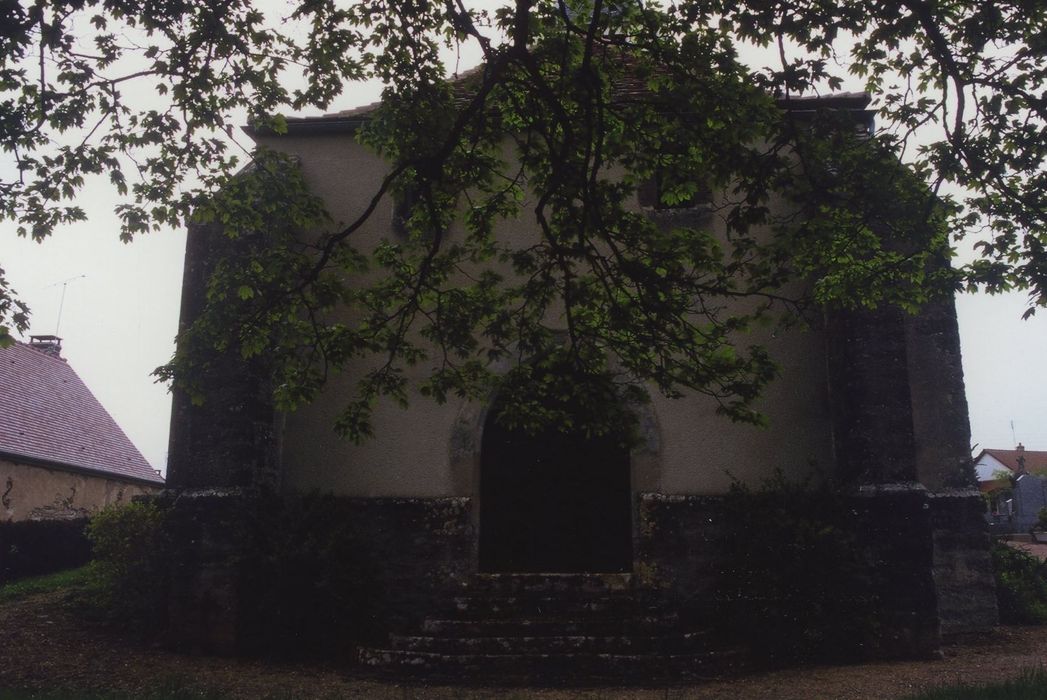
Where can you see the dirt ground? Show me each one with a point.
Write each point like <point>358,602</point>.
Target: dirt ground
<point>43,646</point>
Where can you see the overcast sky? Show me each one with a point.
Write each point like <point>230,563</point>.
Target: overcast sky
<point>120,315</point>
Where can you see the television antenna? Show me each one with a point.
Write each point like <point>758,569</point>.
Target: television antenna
<point>61,302</point>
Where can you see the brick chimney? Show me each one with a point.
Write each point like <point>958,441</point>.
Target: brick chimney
<point>1020,449</point>
<point>49,344</point>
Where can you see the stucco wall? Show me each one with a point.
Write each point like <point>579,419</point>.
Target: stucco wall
<point>702,452</point>
<point>30,492</point>
<point>987,467</point>
<point>412,455</point>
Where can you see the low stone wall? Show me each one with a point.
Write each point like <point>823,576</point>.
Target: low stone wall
<point>879,602</point>
<point>328,572</point>
<point>412,555</point>
<point>679,549</point>
<point>319,573</point>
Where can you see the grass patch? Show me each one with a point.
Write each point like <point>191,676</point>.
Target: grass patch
<point>60,580</point>
<point>1030,685</point>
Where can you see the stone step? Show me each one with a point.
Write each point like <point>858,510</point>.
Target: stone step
<point>536,605</point>
<point>550,626</point>
<point>539,667</point>
<point>551,583</point>
<point>689,642</point>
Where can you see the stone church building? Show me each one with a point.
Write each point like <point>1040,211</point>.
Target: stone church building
<point>495,547</point>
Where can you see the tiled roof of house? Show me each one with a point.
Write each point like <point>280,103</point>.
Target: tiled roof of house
<point>1035,460</point>
<point>47,414</point>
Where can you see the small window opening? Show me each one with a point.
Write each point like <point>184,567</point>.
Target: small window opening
<point>404,202</point>
<point>651,195</point>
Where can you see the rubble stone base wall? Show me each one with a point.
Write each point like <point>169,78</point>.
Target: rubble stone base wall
<point>682,550</point>
<point>963,572</point>
<point>309,573</point>
<point>342,571</point>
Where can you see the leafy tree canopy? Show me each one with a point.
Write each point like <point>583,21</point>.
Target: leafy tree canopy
<point>577,107</point>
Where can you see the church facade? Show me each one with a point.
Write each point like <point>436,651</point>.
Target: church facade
<point>471,530</point>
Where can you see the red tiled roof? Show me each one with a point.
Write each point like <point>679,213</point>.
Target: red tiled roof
<point>48,414</point>
<point>1035,460</point>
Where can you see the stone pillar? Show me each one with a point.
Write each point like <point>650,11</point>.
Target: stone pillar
<point>203,604</point>
<point>963,572</point>
<point>875,451</point>
<point>895,535</point>
<point>939,403</point>
<point>229,440</point>
<point>223,453</point>
<point>869,397</point>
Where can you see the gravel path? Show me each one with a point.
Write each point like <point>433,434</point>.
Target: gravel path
<point>43,646</point>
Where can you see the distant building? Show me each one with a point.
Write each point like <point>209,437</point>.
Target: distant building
<point>62,456</point>
<point>992,462</point>
<point>1014,483</point>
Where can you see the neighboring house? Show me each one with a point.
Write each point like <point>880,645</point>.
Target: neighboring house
<point>1015,501</point>
<point>992,462</point>
<point>62,456</point>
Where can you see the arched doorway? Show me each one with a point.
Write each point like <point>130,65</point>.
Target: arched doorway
<point>553,501</point>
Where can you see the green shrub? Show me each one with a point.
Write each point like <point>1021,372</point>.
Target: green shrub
<point>1041,520</point>
<point>129,572</point>
<point>1021,586</point>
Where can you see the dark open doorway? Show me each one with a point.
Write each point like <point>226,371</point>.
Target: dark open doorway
<point>553,501</point>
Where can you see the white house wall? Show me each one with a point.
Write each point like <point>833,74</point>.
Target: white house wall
<point>987,466</point>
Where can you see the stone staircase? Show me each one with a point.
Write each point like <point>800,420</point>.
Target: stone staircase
<point>552,628</point>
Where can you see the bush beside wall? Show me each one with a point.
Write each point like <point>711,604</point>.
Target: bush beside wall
<point>1021,586</point>
<point>130,573</point>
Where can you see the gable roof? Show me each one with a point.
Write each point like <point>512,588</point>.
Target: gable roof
<point>1035,460</point>
<point>48,416</point>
